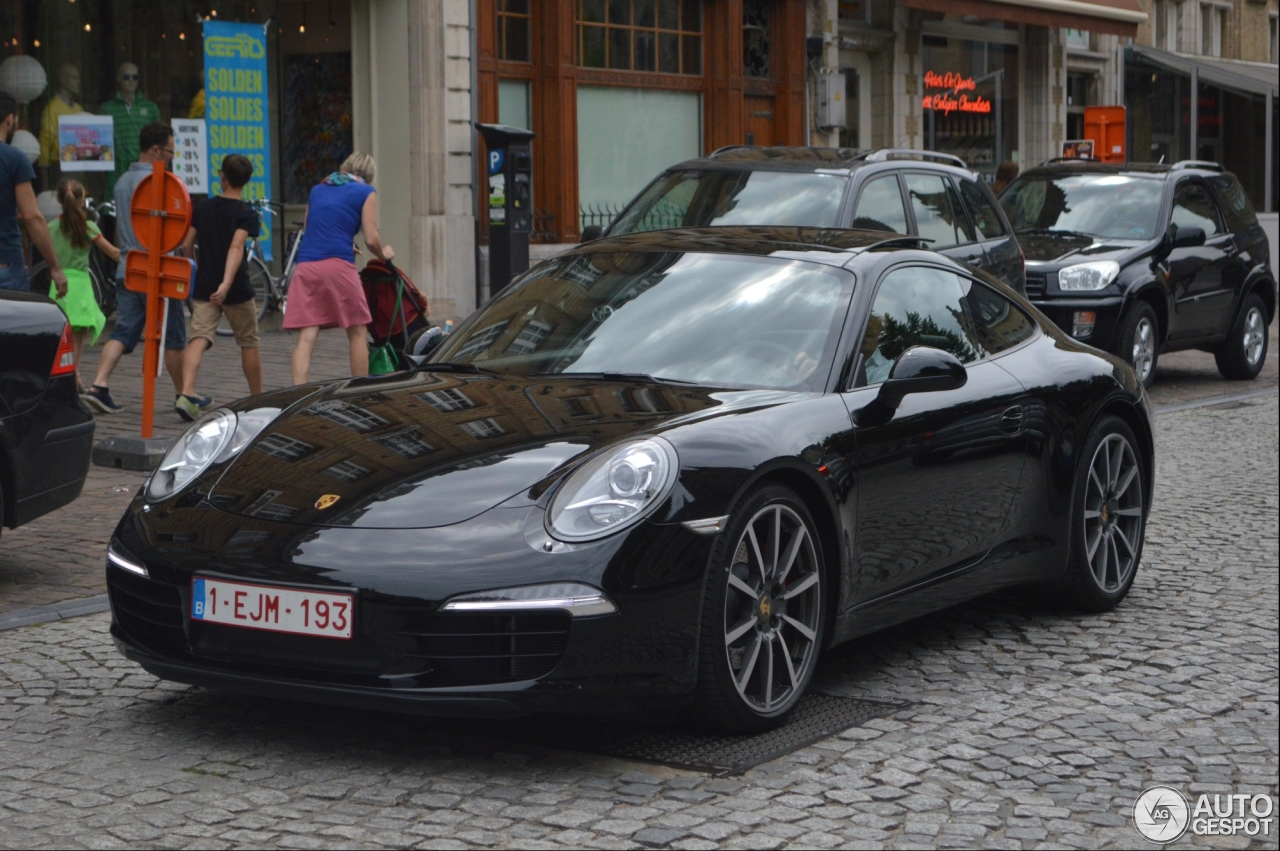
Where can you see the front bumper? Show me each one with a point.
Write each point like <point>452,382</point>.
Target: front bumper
<point>1107,310</point>
<point>406,654</point>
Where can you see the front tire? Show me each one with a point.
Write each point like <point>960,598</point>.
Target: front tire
<point>1108,518</point>
<point>1140,342</point>
<point>1241,356</point>
<point>763,613</point>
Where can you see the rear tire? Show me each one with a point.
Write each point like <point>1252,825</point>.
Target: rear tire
<point>1108,518</point>
<point>1242,354</point>
<point>1140,341</point>
<point>763,613</point>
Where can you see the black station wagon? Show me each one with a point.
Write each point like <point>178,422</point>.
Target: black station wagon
<point>930,195</point>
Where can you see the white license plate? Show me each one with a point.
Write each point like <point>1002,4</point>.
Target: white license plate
<point>272,609</point>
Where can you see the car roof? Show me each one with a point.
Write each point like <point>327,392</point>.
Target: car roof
<point>832,246</point>
<point>810,159</point>
<point>1156,170</point>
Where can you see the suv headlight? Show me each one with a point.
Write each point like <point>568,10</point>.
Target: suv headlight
<point>613,490</point>
<point>1088,277</point>
<point>216,436</point>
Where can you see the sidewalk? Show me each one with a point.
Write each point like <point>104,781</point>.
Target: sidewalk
<point>60,556</point>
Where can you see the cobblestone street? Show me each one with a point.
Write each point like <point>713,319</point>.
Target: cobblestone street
<point>1026,727</point>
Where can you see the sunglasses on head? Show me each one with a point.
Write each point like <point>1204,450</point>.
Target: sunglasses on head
<point>129,76</point>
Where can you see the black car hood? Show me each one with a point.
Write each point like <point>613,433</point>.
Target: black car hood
<point>1068,248</point>
<point>426,449</point>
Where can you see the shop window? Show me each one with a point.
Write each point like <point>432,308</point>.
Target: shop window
<point>514,40</point>
<point>755,38</point>
<point>641,35</point>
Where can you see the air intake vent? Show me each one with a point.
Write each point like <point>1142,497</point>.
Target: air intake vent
<point>1036,284</point>
<point>486,648</point>
<point>150,612</point>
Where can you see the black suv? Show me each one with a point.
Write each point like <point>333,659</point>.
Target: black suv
<point>934,196</point>
<point>1137,259</point>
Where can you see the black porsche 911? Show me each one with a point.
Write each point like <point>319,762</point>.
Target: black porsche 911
<point>662,468</point>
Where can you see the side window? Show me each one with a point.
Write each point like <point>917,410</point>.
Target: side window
<point>998,324</point>
<point>1192,207</point>
<point>1233,202</point>
<point>931,203</point>
<point>880,206</point>
<point>916,306</point>
<point>981,209</point>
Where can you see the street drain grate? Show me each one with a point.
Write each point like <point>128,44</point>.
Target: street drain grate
<point>818,717</point>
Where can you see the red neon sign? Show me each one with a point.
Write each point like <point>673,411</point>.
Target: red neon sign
<point>953,101</point>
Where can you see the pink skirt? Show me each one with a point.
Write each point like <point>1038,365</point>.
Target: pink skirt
<point>326,293</point>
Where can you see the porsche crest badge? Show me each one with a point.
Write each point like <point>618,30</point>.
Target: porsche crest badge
<point>327,500</point>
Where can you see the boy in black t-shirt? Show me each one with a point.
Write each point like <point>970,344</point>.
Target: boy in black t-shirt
<point>222,223</point>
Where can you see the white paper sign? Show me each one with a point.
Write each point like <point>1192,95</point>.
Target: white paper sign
<point>86,142</point>
<point>191,154</point>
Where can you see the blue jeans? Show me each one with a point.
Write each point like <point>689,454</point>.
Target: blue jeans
<point>14,277</point>
<point>131,320</point>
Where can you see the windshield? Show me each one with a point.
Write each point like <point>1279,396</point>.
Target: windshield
<point>1111,206</point>
<point>710,319</point>
<point>714,198</point>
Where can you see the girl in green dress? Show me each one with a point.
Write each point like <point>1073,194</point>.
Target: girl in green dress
<point>73,234</point>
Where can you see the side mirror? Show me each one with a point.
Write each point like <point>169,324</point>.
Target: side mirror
<point>920,369</point>
<point>1188,237</point>
<point>591,232</point>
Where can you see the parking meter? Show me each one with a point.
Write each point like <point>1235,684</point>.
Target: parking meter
<point>510,168</point>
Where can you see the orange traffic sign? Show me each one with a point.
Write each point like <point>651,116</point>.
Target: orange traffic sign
<point>172,206</point>
<point>175,274</point>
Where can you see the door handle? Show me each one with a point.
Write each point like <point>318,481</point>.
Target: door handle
<point>1011,420</point>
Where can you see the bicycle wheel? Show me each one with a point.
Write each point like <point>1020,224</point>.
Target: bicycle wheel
<point>104,290</point>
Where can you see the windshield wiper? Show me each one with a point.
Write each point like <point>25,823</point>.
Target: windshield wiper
<point>452,366</point>
<point>1071,234</point>
<point>635,377</point>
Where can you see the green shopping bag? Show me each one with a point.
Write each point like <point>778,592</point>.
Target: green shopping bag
<point>385,358</point>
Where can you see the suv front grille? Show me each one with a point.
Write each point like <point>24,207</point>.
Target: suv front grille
<point>150,612</point>
<point>486,648</point>
<point>1037,283</point>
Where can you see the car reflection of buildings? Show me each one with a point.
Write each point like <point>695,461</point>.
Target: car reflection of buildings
<point>371,440</point>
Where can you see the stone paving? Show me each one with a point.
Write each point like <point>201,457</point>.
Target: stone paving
<point>1028,728</point>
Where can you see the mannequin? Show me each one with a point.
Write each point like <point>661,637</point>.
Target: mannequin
<point>65,101</point>
<point>131,111</point>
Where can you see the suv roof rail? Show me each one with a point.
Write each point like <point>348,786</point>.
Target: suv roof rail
<point>1208,165</point>
<point>905,241</point>
<point>885,153</point>
<point>1071,160</point>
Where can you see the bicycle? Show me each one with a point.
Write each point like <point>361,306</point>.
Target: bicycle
<point>102,269</point>
<point>269,291</point>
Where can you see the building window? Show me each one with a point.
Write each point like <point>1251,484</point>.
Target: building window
<point>265,507</point>
<point>408,443</point>
<point>581,407</point>
<point>350,416</point>
<point>1274,53</point>
<point>529,338</point>
<point>1212,23</point>
<point>482,429</point>
<point>280,446</point>
<point>641,35</point>
<point>1079,40</point>
<point>644,400</point>
<point>346,471</point>
<point>1165,33</point>
<point>755,38</point>
<point>449,399</point>
<point>514,31</point>
<point>480,341</point>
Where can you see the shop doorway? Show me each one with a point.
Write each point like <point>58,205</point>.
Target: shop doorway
<point>856,68</point>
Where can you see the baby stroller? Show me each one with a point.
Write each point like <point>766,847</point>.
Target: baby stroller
<point>399,314</point>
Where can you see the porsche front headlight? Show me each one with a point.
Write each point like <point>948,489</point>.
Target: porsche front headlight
<point>215,437</point>
<point>1088,277</point>
<point>613,490</point>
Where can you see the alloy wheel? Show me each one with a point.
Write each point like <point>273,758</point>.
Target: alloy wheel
<point>1113,513</point>
<point>1255,336</point>
<point>1144,348</point>
<point>772,609</point>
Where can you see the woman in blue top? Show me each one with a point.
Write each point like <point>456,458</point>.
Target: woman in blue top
<point>325,291</point>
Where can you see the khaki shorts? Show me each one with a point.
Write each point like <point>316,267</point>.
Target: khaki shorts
<point>243,318</point>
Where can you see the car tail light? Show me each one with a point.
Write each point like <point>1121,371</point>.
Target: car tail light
<point>64,362</point>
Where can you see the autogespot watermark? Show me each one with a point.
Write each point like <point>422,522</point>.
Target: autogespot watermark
<point>1162,814</point>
